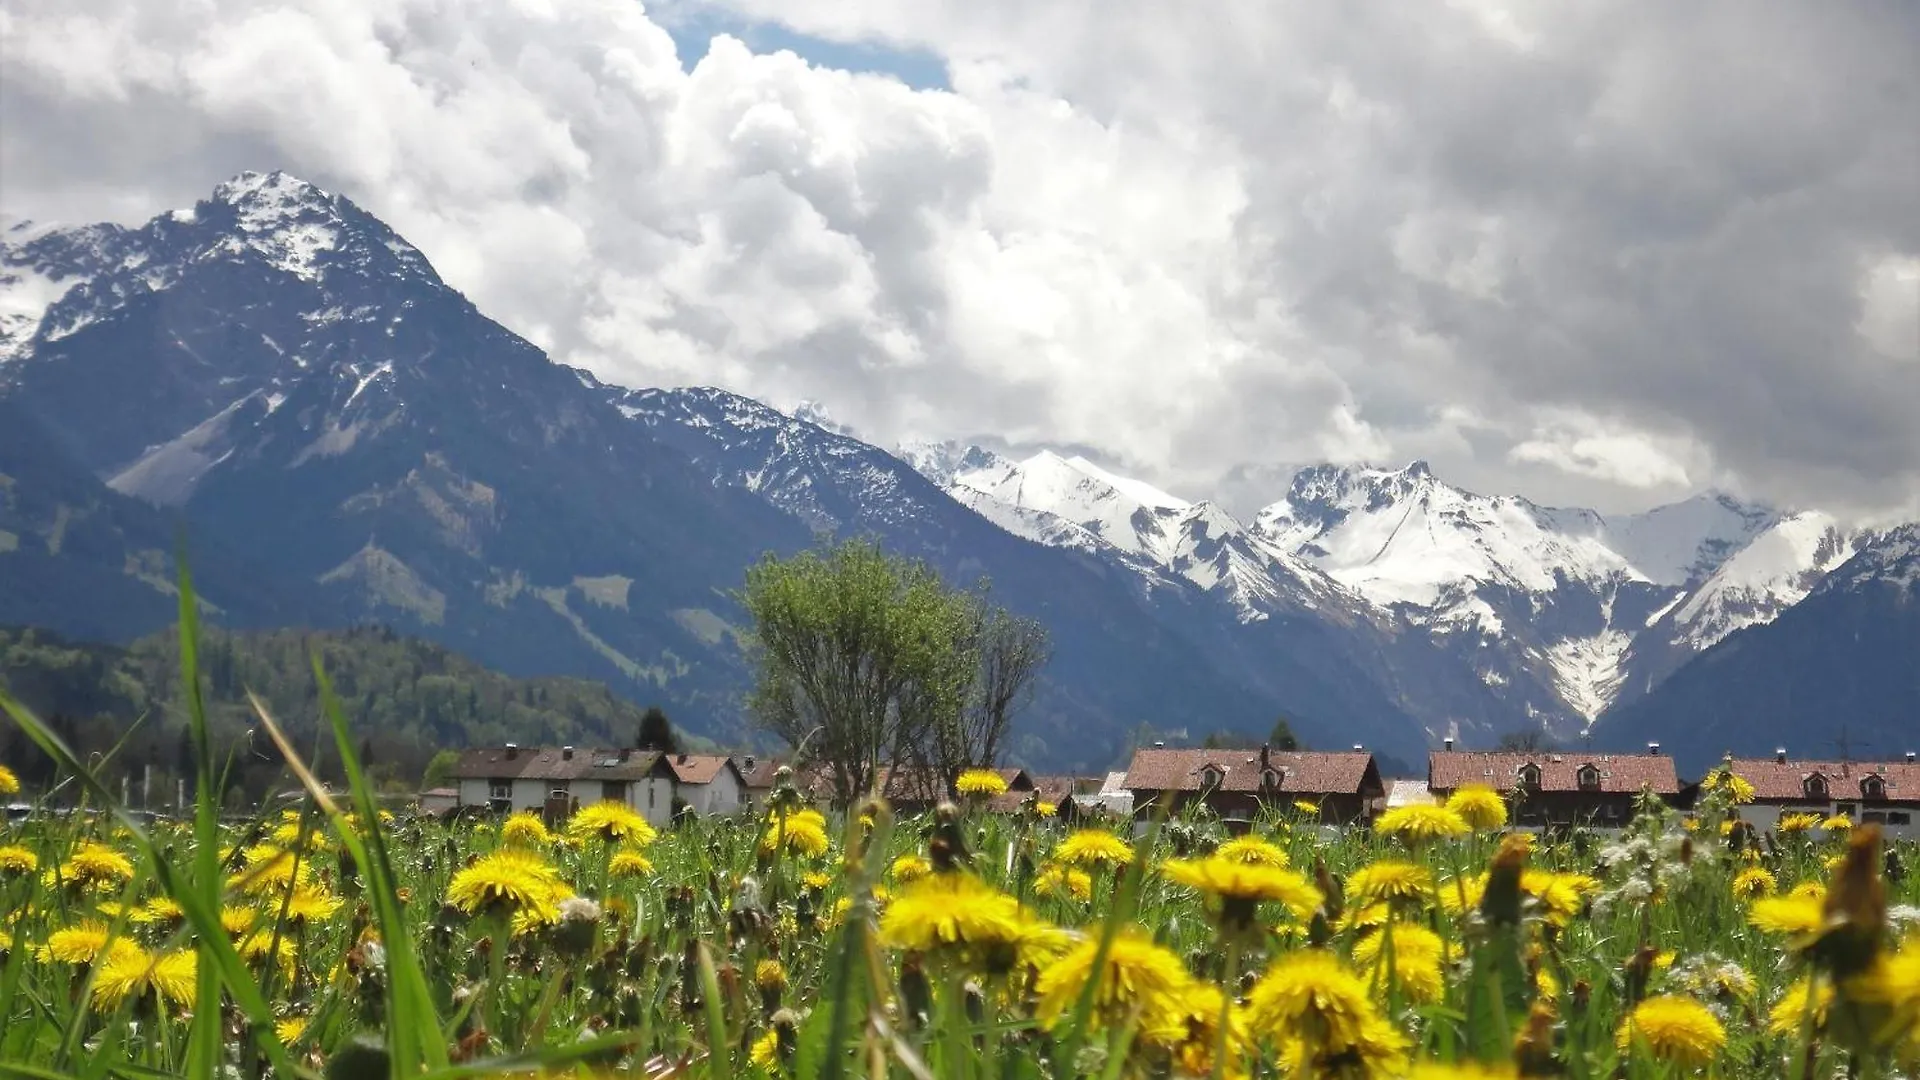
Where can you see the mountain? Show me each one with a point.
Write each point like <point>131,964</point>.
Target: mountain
<point>278,371</point>
<point>1841,664</point>
<point>1543,604</point>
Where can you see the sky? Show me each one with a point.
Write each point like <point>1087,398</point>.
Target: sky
<point>1598,253</point>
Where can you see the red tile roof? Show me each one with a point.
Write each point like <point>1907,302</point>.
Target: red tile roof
<point>1559,770</point>
<point>1786,781</point>
<point>1301,771</point>
<point>759,774</point>
<point>552,763</point>
<point>697,768</point>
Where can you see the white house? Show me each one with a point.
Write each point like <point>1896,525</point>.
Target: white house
<point>555,780</point>
<point>1885,793</point>
<point>707,783</point>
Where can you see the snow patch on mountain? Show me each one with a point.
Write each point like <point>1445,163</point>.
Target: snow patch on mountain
<point>1587,670</point>
<point>1771,573</point>
<point>1686,541</point>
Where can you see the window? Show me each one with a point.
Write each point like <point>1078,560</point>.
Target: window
<point>1210,777</point>
<point>1899,817</point>
<point>1816,786</point>
<point>1530,776</point>
<point>1270,779</point>
<point>1873,787</point>
<point>653,794</point>
<point>1589,778</point>
<point>614,789</point>
<point>1874,817</point>
<point>500,789</point>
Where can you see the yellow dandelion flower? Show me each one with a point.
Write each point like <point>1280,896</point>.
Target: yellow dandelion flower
<point>506,881</point>
<point>804,832</point>
<point>1046,809</point>
<point>1415,963</point>
<point>612,822</point>
<point>1093,847</point>
<point>1892,985</point>
<point>75,944</point>
<point>1239,886</point>
<point>1797,822</point>
<point>93,865</point>
<point>764,1054</point>
<point>1789,1015</point>
<point>1724,779</point>
<point>984,783</point>
<point>1135,972</point>
<point>1189,1031</point>
<point>1252,850</point>
<point>769,975</point>
<point>289,1029</point>
<point>1675,1029</point>
<point>288,835</point>
<point>237,920</point>
<point>307,905</point>
<point>525,829</point>
<point>1063,882</point>
<point>1560,895</point>
<point>161,910</point>
<point>1754,881</point>
<point>9,783</point>
<point>1315,1007</point>
<point>629,864</point>
<point>961,915</point>
<point>816,879</point>
<point>1791,914</point>
<point>128,971</point>
<point>270,869</point>
<point>909,868</point>
<point>1479,806</point>
<point>1364,917</point>
<point>1837,823</point>
<point>1418,823</point>
<point>1307,806</point>
<point>15,859</point>
<point>1387,881</point>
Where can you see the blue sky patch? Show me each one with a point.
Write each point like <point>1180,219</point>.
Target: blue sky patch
<point>693,29</point>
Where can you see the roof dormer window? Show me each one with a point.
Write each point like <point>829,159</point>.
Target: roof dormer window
<point>1815,786</point>
<point>1873,786</point>
<point>1270,778</point>
<point>1589,778</point>
<point>1530,776</point>
<point>1210,776</point>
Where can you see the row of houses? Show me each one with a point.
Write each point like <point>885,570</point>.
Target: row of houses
<point>1551,788</point>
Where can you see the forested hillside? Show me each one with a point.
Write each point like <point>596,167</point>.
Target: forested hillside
<point>405,699</point>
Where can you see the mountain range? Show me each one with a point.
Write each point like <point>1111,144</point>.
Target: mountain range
<point>343,438</point>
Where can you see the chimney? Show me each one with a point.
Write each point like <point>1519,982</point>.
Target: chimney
<point>1909,757</point>
<point>1159,746</point>
<point>566,753</point>
<point>1448,743</point>
<point>513,751</point>
<point>1357,748</point>
<point>749,760</point>
<point>624,751</point>
<point>1266,757</point>
<point>1653,748</point>
<point>1780,754</point>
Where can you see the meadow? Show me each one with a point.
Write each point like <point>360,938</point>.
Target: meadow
<point>333,938</point>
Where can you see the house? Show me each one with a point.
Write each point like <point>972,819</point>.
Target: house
<point>756,778</point>
<point>1235,784</point>
<point>439,801</point>
<point>707,783</point>
<point>554,780</point>
<point>1554,787</point>
<point>1886,793</point>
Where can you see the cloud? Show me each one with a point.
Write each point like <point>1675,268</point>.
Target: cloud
<point>1595,252</point>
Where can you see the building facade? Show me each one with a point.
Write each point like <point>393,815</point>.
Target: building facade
<point>1236,784</point>
<point>707,783</point>
<point>555,780</point>
<point>1885,793</point>
<point>1558,788</point>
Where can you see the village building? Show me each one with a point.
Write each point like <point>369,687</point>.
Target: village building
<point>1554,787</point>
<point>556,780</point>
<point>1343,786</point>
<point>1885,793</point>
<point>439,801</point>
<point>707,783</point>
<point>757,778</point>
